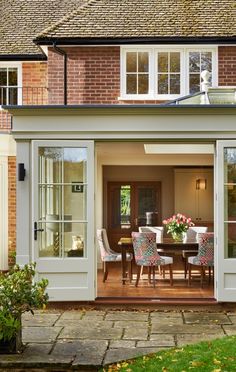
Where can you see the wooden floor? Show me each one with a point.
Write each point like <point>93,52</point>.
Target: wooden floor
<point>114,288</point>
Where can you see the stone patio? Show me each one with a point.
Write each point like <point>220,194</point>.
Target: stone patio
<point>90,339</point>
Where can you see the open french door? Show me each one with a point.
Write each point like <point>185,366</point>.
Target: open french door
<point>63,218</point>
<point>226,221</point>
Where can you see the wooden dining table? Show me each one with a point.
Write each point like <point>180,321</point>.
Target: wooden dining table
<point>168,245</point>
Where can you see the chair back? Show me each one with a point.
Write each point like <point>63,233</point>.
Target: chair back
<point>193,232</point>
<point>158,230</point>
<point>205,255</point>
<point>145,249</point>
<point>103,243</point>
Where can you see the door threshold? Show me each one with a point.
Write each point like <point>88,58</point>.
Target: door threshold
<point>155,300</point>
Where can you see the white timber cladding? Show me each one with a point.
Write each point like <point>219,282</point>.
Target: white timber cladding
<point>3,213</point>
<point>153,72</point>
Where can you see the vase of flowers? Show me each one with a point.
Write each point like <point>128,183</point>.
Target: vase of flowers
<point>177,225</point>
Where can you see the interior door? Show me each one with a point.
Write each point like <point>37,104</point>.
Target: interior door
<point>226,221</point>
<point>63,218</point>
<point>130,205</point>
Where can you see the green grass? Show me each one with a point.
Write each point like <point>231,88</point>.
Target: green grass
<point>213,356</point>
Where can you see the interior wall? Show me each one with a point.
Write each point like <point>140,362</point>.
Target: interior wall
<point>163,174</point>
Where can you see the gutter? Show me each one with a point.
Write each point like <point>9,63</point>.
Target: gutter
<point>63,53</point>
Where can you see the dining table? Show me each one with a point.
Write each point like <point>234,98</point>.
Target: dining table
<point>166,246</point>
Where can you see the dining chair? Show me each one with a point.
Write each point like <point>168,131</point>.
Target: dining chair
<point>191,236</point>
<point>108,255</point>
<point>158,230</point>
<point>205,257</point>
<point>145,254</point>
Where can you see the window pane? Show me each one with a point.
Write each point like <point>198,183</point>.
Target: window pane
<point>194,62</point>
<point>142,84</point>
<point>143,62</point>
<point>131,81</point>
<point>194,83</point>
<point>131,61</point>
<point>175,62</point>
<point>174,84</point>
<point>12,76</point>
<point>12,96</point>
<point>230,165</point>
<point>3,76</point>
<point>162,84</point>
<point>125,197</point>
<point>162,62</point>
<point>75,165</point>
<point>206,62</point>
<point>75,244</point>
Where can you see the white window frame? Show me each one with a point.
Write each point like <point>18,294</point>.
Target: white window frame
<point>184,69</point>
<point>17,65</point>
<point>214,65</point>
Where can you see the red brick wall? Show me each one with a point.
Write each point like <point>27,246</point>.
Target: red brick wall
<point>227,65</point>
<point>11,205</point>
<point>93,75</point>
<point>34,83</point>
<point>5,121</point>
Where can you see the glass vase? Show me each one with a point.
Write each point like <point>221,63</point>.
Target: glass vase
<point>178,236</point>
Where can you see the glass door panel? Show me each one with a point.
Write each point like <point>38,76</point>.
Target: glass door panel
<point>62,201</point>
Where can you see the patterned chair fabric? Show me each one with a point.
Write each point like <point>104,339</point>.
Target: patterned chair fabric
<point>145,250</point>
<point>158,230</point>
<point>205,256</point>
<point>107,254</point>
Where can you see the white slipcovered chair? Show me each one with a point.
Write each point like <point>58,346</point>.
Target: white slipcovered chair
<point>158,230</point>
<point>108,255</point>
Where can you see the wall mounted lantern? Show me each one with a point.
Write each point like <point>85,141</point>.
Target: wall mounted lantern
<point>201,184</point>
<point>21,171</point>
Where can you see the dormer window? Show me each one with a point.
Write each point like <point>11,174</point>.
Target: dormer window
<point>164,73</point>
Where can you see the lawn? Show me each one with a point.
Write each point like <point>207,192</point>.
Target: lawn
<point>213,356</point>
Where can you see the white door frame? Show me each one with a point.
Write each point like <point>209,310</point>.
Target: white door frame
<point>225,267</point>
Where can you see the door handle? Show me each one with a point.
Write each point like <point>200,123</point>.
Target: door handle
<point>36,231</point>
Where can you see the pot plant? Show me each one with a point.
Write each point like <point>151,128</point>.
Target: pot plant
<point>18,294</point>
<point>177,225</point>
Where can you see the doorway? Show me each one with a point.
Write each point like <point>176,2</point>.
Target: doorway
<point>136,168</point>
<point>130,205</point>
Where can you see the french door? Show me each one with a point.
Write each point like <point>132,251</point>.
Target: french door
<point>226,221</point>
<point>63,217</point>
<point>130,205</point>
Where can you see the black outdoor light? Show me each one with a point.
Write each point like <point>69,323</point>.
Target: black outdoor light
<point>21,171</point>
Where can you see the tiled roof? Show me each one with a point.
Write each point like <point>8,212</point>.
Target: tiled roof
<point>146,18</point>
<point>22,20</point>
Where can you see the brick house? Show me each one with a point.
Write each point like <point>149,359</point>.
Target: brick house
<point>97,77</point>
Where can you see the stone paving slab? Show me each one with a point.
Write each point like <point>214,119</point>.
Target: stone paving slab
<point>203,318</point>
<point>83,332</point>
<point>40,334</point>
<point>88,339</point>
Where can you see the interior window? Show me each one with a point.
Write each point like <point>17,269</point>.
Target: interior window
<point>198,62</point>
<point>137,73</point>
<point>8,85</point>
<point>168,72</point>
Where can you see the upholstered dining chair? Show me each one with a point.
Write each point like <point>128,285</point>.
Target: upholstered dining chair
<point>108,255</point>
<point>205,257</point>
<point>191,236</point>
<point>145,254</point>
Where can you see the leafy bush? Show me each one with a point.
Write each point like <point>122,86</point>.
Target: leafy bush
<point>18,294</point>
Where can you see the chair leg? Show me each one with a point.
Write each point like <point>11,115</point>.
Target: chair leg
<point>171,275</point>
<point>130,271</point>
<point>149,274</point>
<point>138,276</point>
<point>209,274</point>
<point>105,272</point>
<point>141,272</point>
<point>189,274</point>
<point>163,272</point>
<point>153,274</point>
<point>202,275</point>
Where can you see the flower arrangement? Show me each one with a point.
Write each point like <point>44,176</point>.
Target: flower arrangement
<point>177,225</point>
